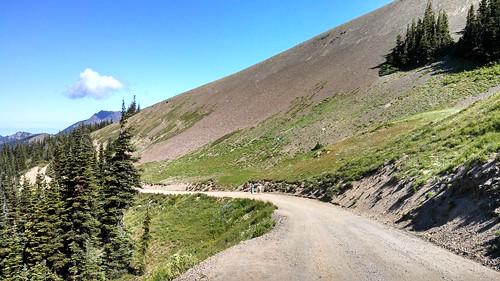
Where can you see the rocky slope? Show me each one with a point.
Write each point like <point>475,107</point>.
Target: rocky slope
<point>459,211</point>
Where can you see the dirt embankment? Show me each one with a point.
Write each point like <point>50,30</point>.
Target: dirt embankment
<point>460,211</point>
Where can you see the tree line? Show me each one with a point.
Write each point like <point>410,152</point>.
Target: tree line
<point>428,39</point>
<point>481,36</point>
<point>19,157</point>
<point>70,228</point>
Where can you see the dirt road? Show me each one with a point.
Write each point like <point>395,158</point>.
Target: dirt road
<point>319,241</point>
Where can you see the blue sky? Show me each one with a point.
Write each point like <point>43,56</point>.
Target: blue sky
<point>62,61</point>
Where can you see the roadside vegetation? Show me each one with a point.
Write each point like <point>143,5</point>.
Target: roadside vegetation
<point>185,230</point>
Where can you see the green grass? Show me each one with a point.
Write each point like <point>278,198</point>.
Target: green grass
<point>435,148</point>
<point>188,229</point>
<point>373,130</point>
<point>470,136</point>
<point>338,156</point>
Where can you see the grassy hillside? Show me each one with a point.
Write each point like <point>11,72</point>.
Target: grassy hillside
<point>188,229</point>
<point>369,128</point>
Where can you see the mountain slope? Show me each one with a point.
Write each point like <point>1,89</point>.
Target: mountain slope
<point>336,63</point>
<point>379,118</point>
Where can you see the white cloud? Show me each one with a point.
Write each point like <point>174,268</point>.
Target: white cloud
<point>93,85</point>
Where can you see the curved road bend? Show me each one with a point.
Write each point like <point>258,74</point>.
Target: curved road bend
<point>319,241</point>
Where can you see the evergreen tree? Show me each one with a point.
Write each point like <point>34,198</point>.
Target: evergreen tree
<point>443,36</point>
<point>469,37</point>
<point>412,39</point>
<point>43,234</point>
<point>425,41</point>
<point>428,42</point>
<point>78,191</point>
<point>481,39</point>
<point>53,210</point>
<point>132,108</point>
<point>120,183</point>
<point>36,232</point>
<point>398,51</point>
<point>10,244</point>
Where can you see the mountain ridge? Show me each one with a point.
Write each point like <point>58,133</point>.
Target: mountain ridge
<point>14,137</point>
<point>26,137</point>
<point>21,137</point>
<point>99,117</point>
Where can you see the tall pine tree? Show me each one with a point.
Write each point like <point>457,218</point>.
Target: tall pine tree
<point>443,36</point>
<point>120,183</point>
<point>481,35</point>
<point>10,242</point>
<point>78,191</point>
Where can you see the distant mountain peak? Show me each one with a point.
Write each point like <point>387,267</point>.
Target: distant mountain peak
<point>99,117</point>
<point>18,137</point>
<point>21,134</point>
<point>103,114</point>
